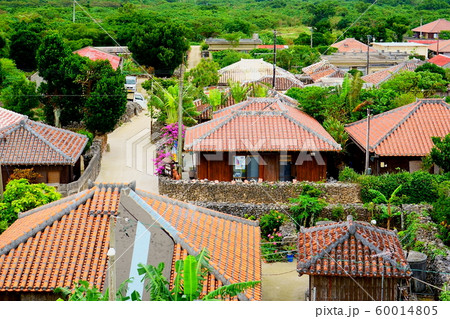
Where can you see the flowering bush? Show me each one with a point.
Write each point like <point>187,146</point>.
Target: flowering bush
<point>169,136</point>
<point>271,222</point>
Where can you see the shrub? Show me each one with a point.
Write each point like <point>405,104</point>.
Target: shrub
<point>441,212</point>
<point>348,175</point>
<point>29,174</point>
<point>338,213</point>
<point>306,207</point>
<point>90,137</point>
<point>271,222</point>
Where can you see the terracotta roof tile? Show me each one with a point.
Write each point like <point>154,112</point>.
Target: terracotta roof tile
<point>444,46</point>
<point>95,54</point>
<point>404,131</point>
<point>440,60</point>
<point>66,241</point>
<point>232,242</point>
<point>434,27</point>
<point>29,142</point>
<point>352,45</point>
<point>381,76</point>
<point>351,248</point>
<point>260,124</point>
<point>323,69</point>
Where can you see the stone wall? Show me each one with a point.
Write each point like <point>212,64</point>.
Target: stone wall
<point>92,159</point>
<point>254,192</point>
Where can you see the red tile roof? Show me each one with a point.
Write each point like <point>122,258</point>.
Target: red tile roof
<point>444,46</point>
<point>260,124</point>
<point>404,131</point>
<point>352,45</point>
<point>270,46</point>
<point>8,118</point>
<point>95,54</point>
<point>66,241</point>
<point>232,242</point>
<point>440,60</point>
<point>323,69</point>
<point>351,248</point>
<point>434,27</point>
<point>381,76</point>
<point>422,41</point>
<point>282,83</point>
<point>26,142</point>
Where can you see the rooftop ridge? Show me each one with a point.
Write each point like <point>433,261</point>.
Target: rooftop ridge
<point>311,131</point>
<point>204,210</point>
<point>82,198</point>
<point>405,118</point>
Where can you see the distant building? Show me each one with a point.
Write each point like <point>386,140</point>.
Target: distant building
<point>95,55</point>
<point>431,30</point>
<point>440,47</point>
<point>377,78</point>
<point>405,47</point>
<point>244,45</point>
<point>401,137</point>
<point>352,45</point>
<point>441,60</point>
<point>322,72</point>
<point>270,46</point>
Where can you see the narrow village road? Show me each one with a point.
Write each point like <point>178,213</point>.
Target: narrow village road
<point>131,155</point>
<point>194,56</point>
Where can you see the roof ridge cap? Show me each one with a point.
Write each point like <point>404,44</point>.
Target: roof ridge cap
<point>46,142</point>
<point>33,231</point>
<point>311,131</point>
<point>405,118</point>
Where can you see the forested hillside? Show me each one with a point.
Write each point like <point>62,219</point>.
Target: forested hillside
<point>387,20</point>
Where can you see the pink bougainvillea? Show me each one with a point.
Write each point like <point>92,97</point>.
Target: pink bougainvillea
<point>169,136</point>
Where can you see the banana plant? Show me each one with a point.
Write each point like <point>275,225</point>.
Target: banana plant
<point>387,212</point>
<point>188,283</point>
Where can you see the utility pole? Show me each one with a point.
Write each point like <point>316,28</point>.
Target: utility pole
<point>368,54</point>
<point>1,182</point>
<point>366,171</point>
<point>180,121</point>
<point>73,15</point>
<point>112,260</point>
<point>274,56</point>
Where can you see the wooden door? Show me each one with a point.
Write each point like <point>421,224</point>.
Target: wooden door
<point>272,167</point>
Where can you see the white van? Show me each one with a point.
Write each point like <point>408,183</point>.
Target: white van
<point>130,83</point>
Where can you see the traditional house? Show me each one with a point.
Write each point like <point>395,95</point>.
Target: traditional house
<point>431,30</point>
<point>261,138</point>
<point>382,76</point>
<point>399,138</point>
<point>96,54</point>
<point>440,47</point>
<point>244,45</point>
<point>352,45</point>
<point>53,153</point>
<point>251,70</point>
<point>322,72</point>
<point>441,60</point>
<point>61,243</point>
<point>352,261</point>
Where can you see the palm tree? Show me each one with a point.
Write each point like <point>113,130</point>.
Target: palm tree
<point>190,275</point>
<point>238,91</point>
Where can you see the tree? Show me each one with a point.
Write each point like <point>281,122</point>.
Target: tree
<point>21,196</point>
<point>430,67</point>
<point>188,283</point>
<point>166,100</point>
<point>204,74</point>
<point>297,56</point>
<point>444,35</point>
<point>62,95</point>
<point>163,47</point>
<point>440,153</point>
<point>24,44</point>
<point>106,97</point>
<point>226,57</point>
<point>311,100</point>
<point>21,97</point>
<point>425,83</point>
<point>238,92</point>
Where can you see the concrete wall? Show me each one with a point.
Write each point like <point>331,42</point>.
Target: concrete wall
<point>253,192</point>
